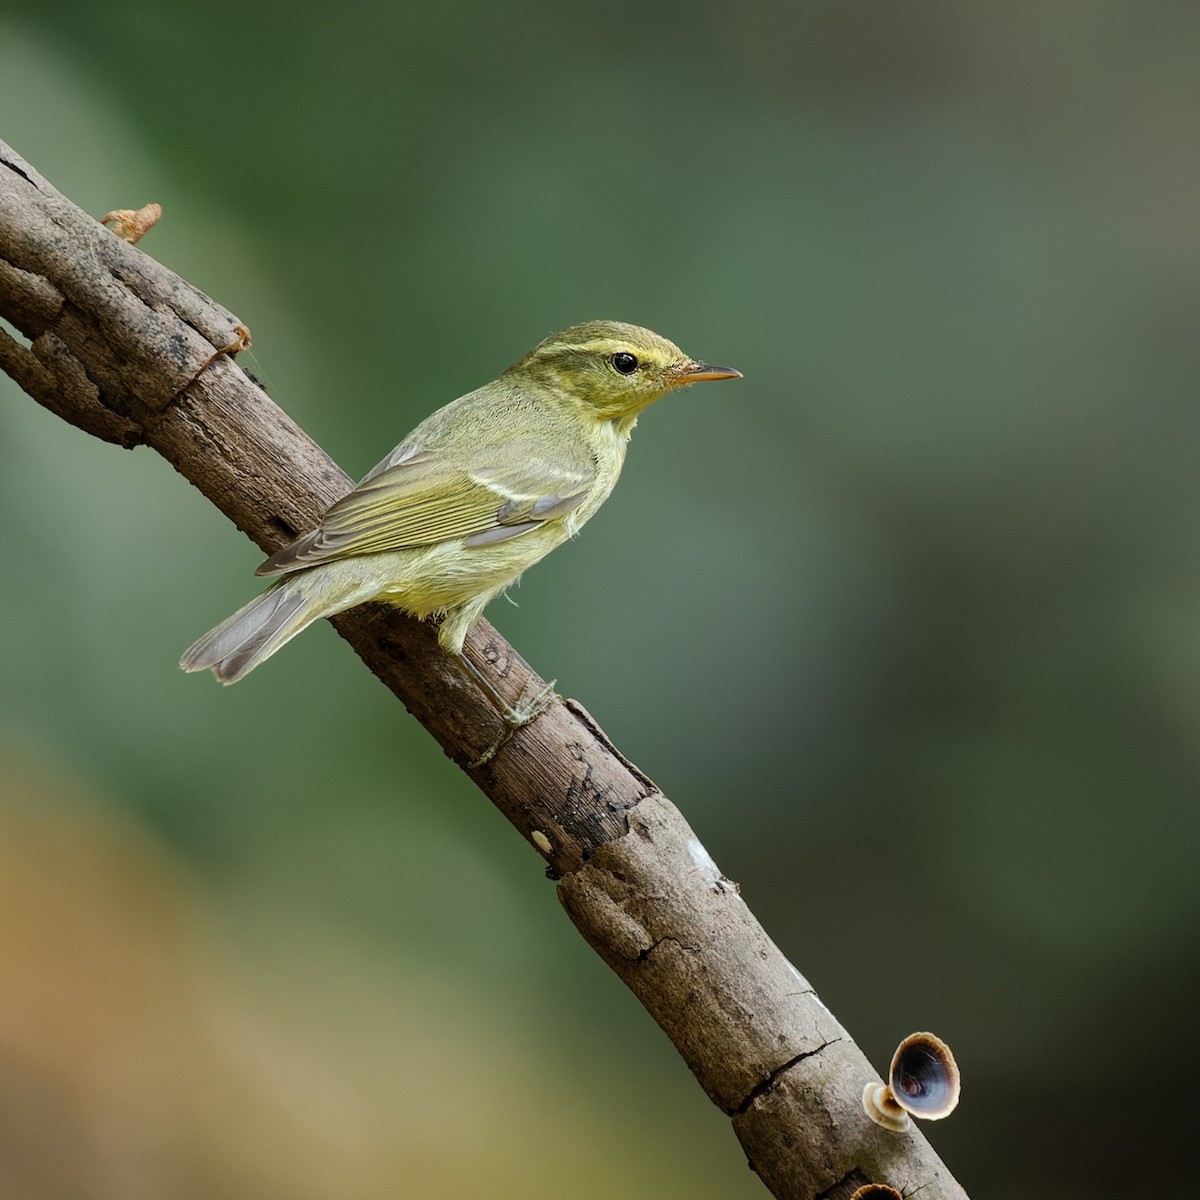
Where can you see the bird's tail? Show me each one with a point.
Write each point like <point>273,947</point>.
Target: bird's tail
<point>254,633</point>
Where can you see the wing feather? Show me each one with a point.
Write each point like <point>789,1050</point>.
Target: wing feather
<point>415,499</point>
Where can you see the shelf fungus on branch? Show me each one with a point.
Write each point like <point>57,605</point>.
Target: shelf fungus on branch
<point>923,1081</point>
<point>876,1191</point>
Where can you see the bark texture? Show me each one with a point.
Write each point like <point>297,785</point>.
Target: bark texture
<point>122,348</point>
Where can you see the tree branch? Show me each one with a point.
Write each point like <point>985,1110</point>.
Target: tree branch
<point>124,349</point>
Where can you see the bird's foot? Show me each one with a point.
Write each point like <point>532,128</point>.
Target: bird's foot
<point>515,716</point>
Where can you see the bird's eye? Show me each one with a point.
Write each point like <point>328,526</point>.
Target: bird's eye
<point>624,362</point>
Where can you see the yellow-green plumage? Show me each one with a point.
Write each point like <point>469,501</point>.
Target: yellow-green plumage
<point>477,493</point>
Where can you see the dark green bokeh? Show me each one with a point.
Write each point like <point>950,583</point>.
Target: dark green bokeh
<point>907,621</point>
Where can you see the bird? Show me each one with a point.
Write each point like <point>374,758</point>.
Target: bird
<point>477,493</point>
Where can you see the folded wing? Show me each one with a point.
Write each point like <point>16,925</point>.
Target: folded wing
<point>420,498</point>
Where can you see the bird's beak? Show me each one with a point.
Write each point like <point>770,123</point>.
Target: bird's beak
<point>698,372</point>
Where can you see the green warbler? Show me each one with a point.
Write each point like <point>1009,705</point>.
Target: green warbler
<point>476,493</point>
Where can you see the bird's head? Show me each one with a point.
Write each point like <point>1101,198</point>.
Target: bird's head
<point>613,368</point>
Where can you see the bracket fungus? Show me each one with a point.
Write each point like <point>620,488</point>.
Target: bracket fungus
<point>923,1081</point>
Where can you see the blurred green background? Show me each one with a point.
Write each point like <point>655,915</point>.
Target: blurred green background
<point>907,621</point>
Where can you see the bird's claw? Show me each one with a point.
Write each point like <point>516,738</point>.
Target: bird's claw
<point>517,716</point>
